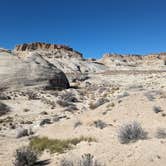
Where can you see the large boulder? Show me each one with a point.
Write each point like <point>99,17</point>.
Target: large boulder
<point>32,70</point>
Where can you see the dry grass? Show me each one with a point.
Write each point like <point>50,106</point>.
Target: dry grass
<point>57,145</point>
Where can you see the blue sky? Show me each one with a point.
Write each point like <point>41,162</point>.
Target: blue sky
<point>92,27</point>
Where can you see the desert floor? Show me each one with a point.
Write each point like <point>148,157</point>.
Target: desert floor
<point>131,97</point>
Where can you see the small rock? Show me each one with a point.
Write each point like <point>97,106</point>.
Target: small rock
<point>26,110</point>
<point>21,132</point>
<point>157,109</point>
<point>45,121</point>
<point>56,118</point>
<point>43,113</point>
<point>30,131</point>
<point>28,122</point>
<point>12,126</point>
<point>100,124</point>
<point>163,114</point>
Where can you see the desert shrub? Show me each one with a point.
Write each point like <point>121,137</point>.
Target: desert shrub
<point>45,121</point>
<point>99,102</point>
<point>161,133</point>
<point>25,156</point>
<point>88,160</point>
<point>32,96</point>
<point>48,102</point>
<point>124,94</point>
<point>133,87</point>
<point>64,103</point>
<point>100,124</point>
<point>78,123</point>
<point>80,77</point>
<point>157,109</point>
<point>4,109</point>
<point>66,162</point>
<point>85,160</point>
<point>3,96</point>
<point>131,132</point>
<point>71,108</point>
<point>152,95</point>
<point>56,145</point>
<point>67,99</point>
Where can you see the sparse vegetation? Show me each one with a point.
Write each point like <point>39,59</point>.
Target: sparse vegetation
<point>99,102</point>
<point>66,99</point>
<point>80,77</point>
<point>4,109</point>
<point>6,120</point>
<point>157,109</point>
<point>71,108</point>
<point>32,96</point>
<point>56,145</point>
<point>78,123</point>
<point>48,102</point>
<point>85,160</point>
<point>152,95</point>
<point>88,160</point>
<point>66,162</point>
<point>25,156</point>
<point>131,132</point>
<point>100,124</point>
<point>124,94</point>
<point>161,133</point>
<point>3,96</point>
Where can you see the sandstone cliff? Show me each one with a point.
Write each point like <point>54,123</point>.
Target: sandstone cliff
<point>119,61</point>
<point>63,57</point>
<point>48,49</point>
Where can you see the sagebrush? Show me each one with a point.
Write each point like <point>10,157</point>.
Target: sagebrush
<point>131,132</point>
<point>25,156</point>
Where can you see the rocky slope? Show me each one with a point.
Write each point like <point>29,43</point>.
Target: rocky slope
<point>64,57</point>
<point>131,62</point>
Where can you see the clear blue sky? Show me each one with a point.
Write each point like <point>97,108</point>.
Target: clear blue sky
<point>92,27</point>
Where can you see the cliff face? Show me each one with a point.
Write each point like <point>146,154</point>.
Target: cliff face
<point>46,47</point>
<point>135,57</point>
<point>127,62</point>
<point>61,56</point>
<point>40,45</point>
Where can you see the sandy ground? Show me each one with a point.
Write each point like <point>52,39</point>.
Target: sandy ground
<point>133,100</point>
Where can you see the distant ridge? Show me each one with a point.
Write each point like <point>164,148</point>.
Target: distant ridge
<point>44,47</point>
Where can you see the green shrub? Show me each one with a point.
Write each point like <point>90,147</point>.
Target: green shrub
<point>56,145</point>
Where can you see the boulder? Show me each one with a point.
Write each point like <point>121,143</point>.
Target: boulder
<point>30,71</point>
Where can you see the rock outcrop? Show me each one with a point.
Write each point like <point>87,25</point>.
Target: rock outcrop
<point>119,61</point>
<point>135,57</point>
<point>59,51</point>
<point>16,73</point>
<point>4,50</point>
<point>64,58</point>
